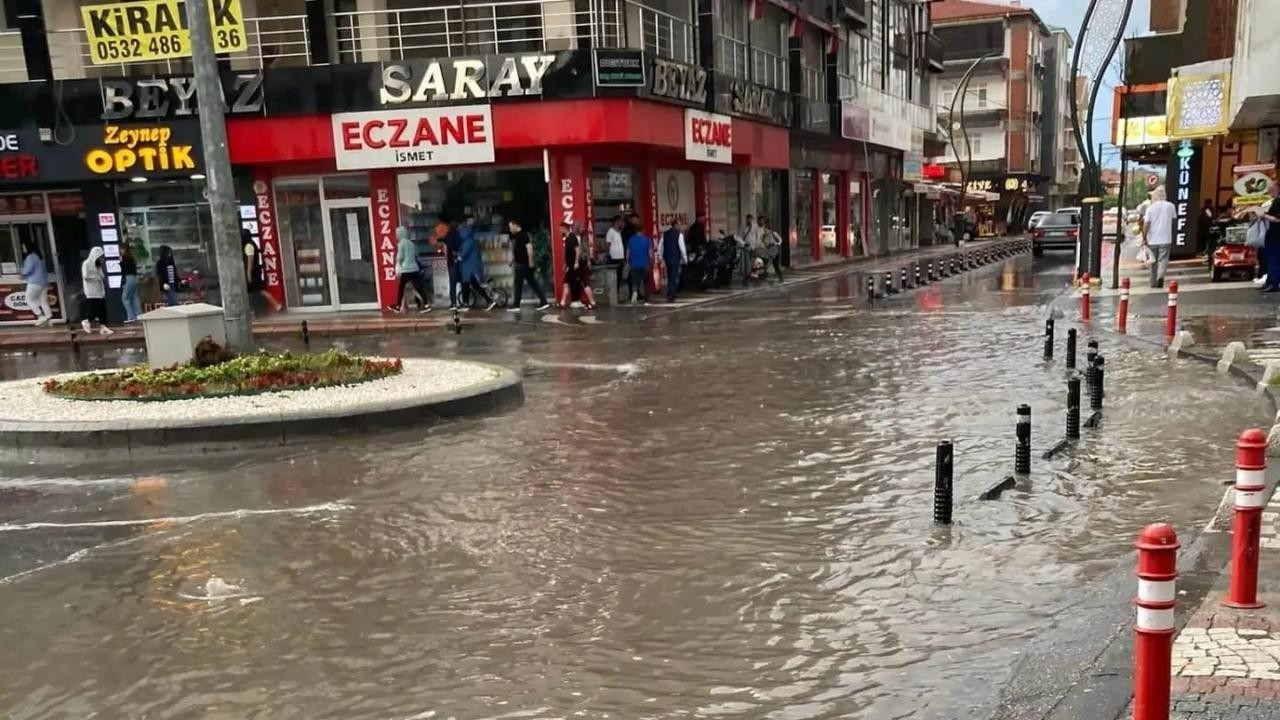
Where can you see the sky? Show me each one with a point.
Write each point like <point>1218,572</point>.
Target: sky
<point>1068,14</point>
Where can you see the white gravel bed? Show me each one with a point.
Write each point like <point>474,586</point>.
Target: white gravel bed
<point>25,405</point>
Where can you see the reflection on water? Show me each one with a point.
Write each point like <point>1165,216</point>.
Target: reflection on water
<point>738,526</point>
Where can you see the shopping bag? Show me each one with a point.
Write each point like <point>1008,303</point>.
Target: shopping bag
<point>1256,236</point>
<point>1144,256</point>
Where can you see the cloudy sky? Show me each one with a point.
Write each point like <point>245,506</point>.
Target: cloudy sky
<point>1068,14</point>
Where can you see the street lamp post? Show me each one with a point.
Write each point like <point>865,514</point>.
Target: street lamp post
<point>222,199</point>
<point>966,164</point>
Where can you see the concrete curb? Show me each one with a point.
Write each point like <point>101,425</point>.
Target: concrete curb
<point>74,439</point>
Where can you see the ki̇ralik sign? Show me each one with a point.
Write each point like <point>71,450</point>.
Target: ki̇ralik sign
<point>149,30</point>
<point>458,135</point>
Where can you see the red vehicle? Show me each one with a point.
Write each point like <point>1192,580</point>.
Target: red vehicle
<point>1232,256</point>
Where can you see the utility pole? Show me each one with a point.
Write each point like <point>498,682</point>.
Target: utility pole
<point>222,197</point>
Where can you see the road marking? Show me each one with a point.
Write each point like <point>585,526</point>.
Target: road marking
<point>832,316</point>
<point>177,519</point>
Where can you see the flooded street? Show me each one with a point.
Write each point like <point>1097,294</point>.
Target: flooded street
<point>721,511</point>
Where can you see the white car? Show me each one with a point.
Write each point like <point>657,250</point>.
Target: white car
<point>1072,210</point>
<point>1036,217</point>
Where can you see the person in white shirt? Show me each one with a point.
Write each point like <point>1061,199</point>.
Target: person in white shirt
<point>674,255</point>
<point>617,251</point>
<point>1157,234</point>
<point>747,241</point>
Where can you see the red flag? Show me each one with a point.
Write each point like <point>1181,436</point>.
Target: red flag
<point>833,44</point>
<point>796,27</point>
<point>757,9</point>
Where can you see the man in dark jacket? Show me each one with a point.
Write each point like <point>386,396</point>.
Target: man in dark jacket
<point>671,248</point>
<point>452,247</point>
<point>696,240</point>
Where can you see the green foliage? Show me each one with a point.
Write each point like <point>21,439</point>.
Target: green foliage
<point>243,375</point>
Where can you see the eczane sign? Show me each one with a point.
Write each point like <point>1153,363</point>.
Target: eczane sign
<point>413,138</point>
<point>708,137</point>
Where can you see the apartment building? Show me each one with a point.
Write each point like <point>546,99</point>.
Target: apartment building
<point>1006,111</point>
<point>349,118</point>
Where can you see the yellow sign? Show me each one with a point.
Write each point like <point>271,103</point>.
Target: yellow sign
<point>149,30</point>
<point>1199,106</point>
<point>138,150</point>
<point>1140,131</point>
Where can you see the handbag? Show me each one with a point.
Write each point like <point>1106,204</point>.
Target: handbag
<point>1256,235</point>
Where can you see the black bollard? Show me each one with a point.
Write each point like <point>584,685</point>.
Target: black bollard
<point>871,289</point>
<point>457,322</point>
<point>1048,339</point>
<point>953,265</point>
<point>1099,376</point>
<point>903,277</point>
<point>306,333</point>
<point>931,275</point>
<point>1095,387</point>
<point>942,487</point>
<point>1090,355</point>
<point>1022,453</point>
<point>1073,408</point>
<point>1071,348</point>
<point>918,275</point>
<point>888,283</point>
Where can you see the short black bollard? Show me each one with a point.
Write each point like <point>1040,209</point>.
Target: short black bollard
<point>1048,339</point>
<point>931,276</point>
<point>1073,408</point>
<point>306,333</point>
<point>1071,348</point>
<point>918,283</point>
<point>871,289</point>
<point>1099,376</point>
<point>457,322</point>
<point>942,487</point>
<point>1022,453</point>
<point>903,277</point>
<point>1090,355</point>
<point>1095,387</point>
<point>888,283</point>
<point>953,265</point>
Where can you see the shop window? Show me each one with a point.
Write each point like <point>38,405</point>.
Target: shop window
<point>613,192</point>
<point>982,97</point>
<point>302,239</point>
<point>726,203</point>
<point>174,214</point>
<point>802,215</point>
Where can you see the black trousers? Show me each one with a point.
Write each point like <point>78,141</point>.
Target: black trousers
<point>524,274</point>
<point>94,309</point>
<point>473,285</point>
<point>414,279</point>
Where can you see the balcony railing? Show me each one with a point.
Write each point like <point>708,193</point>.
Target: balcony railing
<point>732,56</point>
<point>13,63</point>
<point>280,40</point>
<point>769,69</point>
<point>499,27</point>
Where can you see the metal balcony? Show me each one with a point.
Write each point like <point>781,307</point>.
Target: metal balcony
<point>13,63</point>
<point>932,52</point>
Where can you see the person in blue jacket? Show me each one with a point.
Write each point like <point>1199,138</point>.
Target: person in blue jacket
<point>471,263</point>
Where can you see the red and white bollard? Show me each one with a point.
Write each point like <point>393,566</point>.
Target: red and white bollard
<point>1153,630</point>
<point>1122,320</point>
<point>1085,301</point>
<point>1246,536</point>
<point>1171,320</point>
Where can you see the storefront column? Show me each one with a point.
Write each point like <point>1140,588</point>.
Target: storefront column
<point>815,217</point>
<point>842,214</point>
<point>570,202</point>
<point>102,221</point>
<point>386,218</point>
<point>702,198</point>
<point>264,201</point>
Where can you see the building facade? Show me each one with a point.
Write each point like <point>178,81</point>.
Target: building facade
<point>347,119</point>
<point>1004,115</point>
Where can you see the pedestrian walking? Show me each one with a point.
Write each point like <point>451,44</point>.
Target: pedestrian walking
<point>571,290</point>
<point>36,274</point>
<point>255,277</point>
<point>584,278</point>
<point>639,262</point>
<point>631,226</point>
<point>93,278</point>
<point>452,241</point>
<point>167,275</point>
<point>522,265</point>
<point>1271,245</point>
<point>129,287</point>
<point>1157,234</point>
<point>674,255</point>
<point>747,241</point>
<point>410,275</point>
<point>772,248</point>
<point>471,264</point>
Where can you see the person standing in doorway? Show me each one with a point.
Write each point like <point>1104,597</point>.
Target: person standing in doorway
<point>129,288</point>
<point>674,255</point>
<point>639,261</point>
<point>772,248</point>
<point>93,279</point>
<point>254,276</point>
<point>167,275</point>
<point>1157,234</point>
<point>572,288</point>
<point>1271,243</point>
<point>617,250</point>
<point>522,264</point>
<point>696,240</point>
<point>37,277</point>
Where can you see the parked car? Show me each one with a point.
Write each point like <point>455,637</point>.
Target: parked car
<point>1057,231</point>
<point>1233,256</point>
<point>1036,217</point>
<point>1070,210</point>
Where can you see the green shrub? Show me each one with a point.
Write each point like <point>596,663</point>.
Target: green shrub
<point>242,375</point>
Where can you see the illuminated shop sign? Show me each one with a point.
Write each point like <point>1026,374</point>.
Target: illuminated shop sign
<point>463,79</point>
<point>15,164</point>
<point>1186,179</point>
<point>141,150</point>
<point>708,137</point>
<point>410,138</point>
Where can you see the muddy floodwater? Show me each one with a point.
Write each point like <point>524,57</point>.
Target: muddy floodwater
<point>717,511</point>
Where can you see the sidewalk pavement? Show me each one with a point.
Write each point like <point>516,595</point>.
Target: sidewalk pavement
<point>1226,663</point>
<point>335,324</point>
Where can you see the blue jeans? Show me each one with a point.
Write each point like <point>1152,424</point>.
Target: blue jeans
<point>1271,256</point>
<point>171,296</point>
<point>455,277</point>
<point>673,280</point>
<point>129,298</point>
